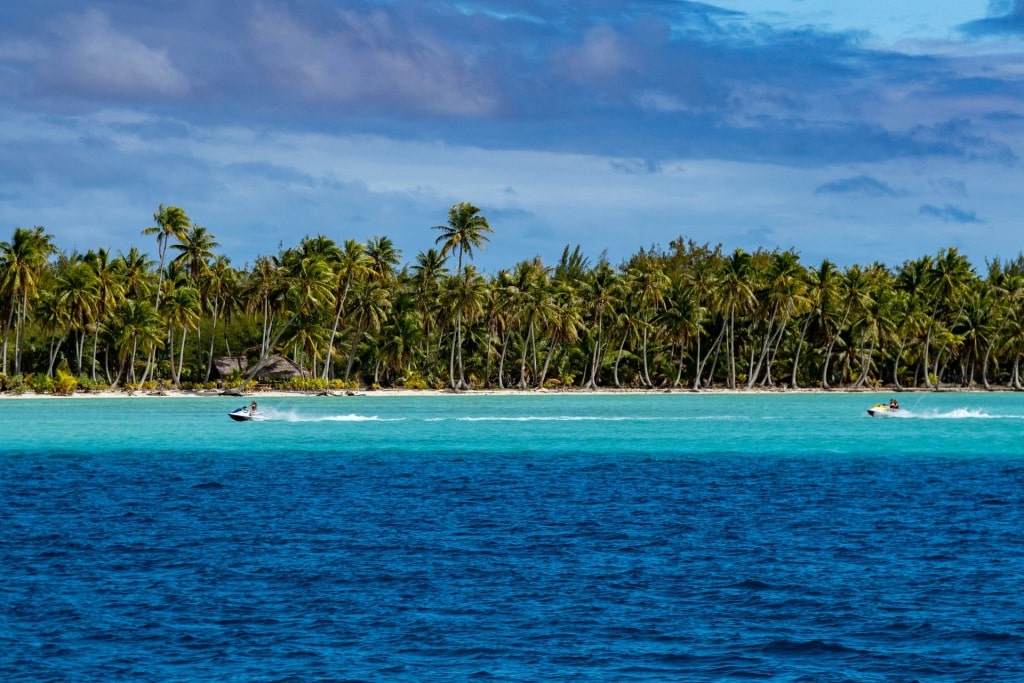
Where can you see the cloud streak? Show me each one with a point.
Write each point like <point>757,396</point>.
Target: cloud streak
<point>566,122</point>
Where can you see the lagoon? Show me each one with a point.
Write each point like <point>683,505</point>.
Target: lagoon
<point>781,536</point>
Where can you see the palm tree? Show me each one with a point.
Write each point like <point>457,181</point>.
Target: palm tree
<point>784,295</point>
<point>371,303</point>
<point>195,251</point>
<point>427,273</point>
<point>219,284</point>
<point>21,265</point>
<point>680,320</point>
<point>309,282</point>
<point>948,281</point>
<point>134,272</point>
<point>263,292</point>
<point>171,221</point>
<point>466,229</point>
<point>182,310</point>
<point>76,291</point>
<point>701,273</point>
<point>601,288</point>
<point>648,283</point>
<point>135,324</point>
<point>383,256</point>
<point>737,299</point>
<point>823,288</point>
<point>352,264</point>
<point>109,291</point>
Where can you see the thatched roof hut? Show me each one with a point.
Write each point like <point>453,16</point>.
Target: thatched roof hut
<point>277,368</point>
<point>225,365</point>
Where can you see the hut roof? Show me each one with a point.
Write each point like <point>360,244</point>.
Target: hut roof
<point>225,365</point>
<point>278,367</point>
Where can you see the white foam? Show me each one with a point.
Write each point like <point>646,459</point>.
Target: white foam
<point>293,416</point>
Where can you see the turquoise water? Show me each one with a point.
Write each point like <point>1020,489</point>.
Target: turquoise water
<point>529,537</point>
<point>661,425</point>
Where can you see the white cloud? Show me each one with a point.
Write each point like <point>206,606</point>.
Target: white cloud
<point>90,57</point>
<point>368,58</point>
<point>602,54</point>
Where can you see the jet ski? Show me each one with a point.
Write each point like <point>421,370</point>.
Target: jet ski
<point>246,414</point>
<point>882,410</point>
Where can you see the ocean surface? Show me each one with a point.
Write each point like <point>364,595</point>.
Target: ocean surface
<point>665,537</point>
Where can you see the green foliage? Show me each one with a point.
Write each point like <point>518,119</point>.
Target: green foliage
<point>728,320</point>
<point>15,384</point>
<point>85,383</point>
<point>413,380</point>
<point>305,384</point>
<point>65,383</point>
<point>41,383</point>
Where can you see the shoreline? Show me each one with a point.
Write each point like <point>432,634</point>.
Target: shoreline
<point>270,394</point>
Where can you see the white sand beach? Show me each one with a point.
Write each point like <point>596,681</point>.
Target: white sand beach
<point>355,393</point>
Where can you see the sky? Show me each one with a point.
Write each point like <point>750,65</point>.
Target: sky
<point>860,132</point>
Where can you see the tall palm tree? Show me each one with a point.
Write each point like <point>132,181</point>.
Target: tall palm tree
<point>171,222</point>
<point>383,256</point>
<point>77,295</point>
<point>784,294</point>
<point>352,265</point>
<point>182,311</point>
<point>195,251</point>
<point>428,271</point>
<point>648,283</point>
<point>263,293</point>
<point>823,290</point>
<point>466,229</point>
<point>21,265</point>
<point>134,270</point>
<point>219,284</point>
<point>134,324</point>
<point>309,294</point>
<point>601,288</point>
<point>948,281</point>
<point>109,291</point>
<point>371,304</point>
<point>680,320</point>
<point>737,300</point>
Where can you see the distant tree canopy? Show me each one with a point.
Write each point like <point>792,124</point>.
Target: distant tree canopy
<point>686,316</point>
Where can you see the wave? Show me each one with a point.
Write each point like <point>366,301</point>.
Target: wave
<point>955,414</point>
<point>556,418</point>
<point>292,416</point>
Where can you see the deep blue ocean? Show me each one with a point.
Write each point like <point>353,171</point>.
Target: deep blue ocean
<point>665,537</point>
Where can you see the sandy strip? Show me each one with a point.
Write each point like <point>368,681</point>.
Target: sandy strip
<point>348,393</point>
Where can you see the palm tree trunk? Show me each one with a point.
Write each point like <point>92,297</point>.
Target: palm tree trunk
<point>501,359</point>
<point>679,366</point>
<point>334,326</point>
<point>715,346</point>
<point>55,344</point>
<point>95,347</point>
<point>181,359</point>
<point>768,334</point>
<point>594,356</point>
<point>456,342</point>
<point>647,374</point>
<point>618,357</point>
<point>547,363</point>
<point>7,333</point>
<point>213,339</point>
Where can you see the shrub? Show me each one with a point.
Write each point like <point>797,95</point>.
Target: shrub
<point>65,383</point>
<point>415,383</point>
<point>40,383</point>
<point>15,384</point>
<point>87,384</point>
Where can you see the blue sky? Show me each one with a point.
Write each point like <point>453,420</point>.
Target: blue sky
<point>857,132</point>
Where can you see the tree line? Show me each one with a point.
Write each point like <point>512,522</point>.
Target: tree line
<point>688,316</point>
